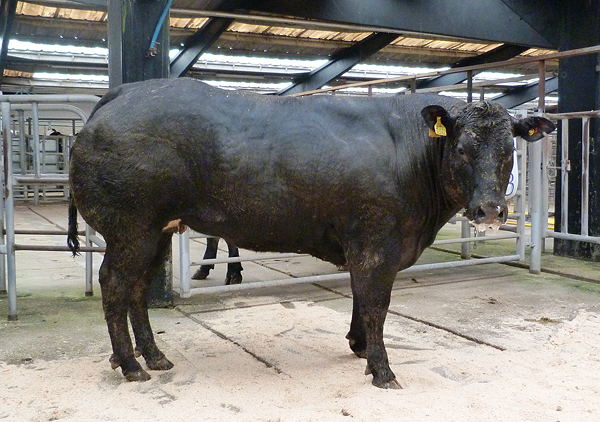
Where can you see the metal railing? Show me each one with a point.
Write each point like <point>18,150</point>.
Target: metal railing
<point>185,262</point>
<point>8,245</point>
<point>584,118</point>
<point>537,201</point>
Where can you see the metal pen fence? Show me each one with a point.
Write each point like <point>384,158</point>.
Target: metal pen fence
<point>537,200</point>
<point>583,118</point>
<point>185,262</point>
<point>10,180</point>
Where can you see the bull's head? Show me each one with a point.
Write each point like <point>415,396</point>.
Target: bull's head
<point>478,155</point>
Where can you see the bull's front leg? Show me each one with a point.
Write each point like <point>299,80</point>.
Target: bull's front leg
<point>357,338</point>
<point>373,271</point>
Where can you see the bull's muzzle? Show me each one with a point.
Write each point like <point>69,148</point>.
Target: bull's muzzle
<point>490,215</point>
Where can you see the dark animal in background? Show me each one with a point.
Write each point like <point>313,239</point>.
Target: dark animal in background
<point>366,182</point>
<point>234,269</point>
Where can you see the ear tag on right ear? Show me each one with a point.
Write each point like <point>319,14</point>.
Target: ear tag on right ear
<point>432,134</point>
<point>439,128</point>
<point>532,131</point>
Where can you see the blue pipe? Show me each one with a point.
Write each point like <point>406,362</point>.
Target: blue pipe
<point>160,22</point>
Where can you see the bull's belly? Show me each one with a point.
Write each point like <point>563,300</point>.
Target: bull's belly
<point>294,235</point>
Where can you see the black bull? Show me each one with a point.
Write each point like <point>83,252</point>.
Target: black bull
<point>349,180</point>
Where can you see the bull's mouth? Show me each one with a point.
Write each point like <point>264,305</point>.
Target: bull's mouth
<point>482,227</point>
<point>488,217</point>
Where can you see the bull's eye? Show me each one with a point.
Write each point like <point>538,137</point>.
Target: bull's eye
<point>460,150</point>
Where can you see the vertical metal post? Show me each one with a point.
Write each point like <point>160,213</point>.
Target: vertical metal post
<point>482,94</point>
<point>68,142</point>
<point>370,90</point>
<point>585,175</point>
<point>465,233</point>
<point>22,149</point>
<point>2,242</point>
<point>522,198</point>
<point>564,176</point>
<point>43,162</point>
<point>9,209</point>
<point>35,133</point>
<point>413,85</point>
<point>546,151</point>
<point>539,216</point>
<point>89,263</point>
<point>469,86</point>
<point>184,264</point>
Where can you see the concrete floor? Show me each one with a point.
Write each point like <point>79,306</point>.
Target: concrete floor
<point>489,342</point>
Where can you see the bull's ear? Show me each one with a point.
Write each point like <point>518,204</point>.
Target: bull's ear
<point>438,121</point>
<point>532,128</point>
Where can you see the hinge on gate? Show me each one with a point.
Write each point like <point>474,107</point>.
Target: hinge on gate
<point>568,165</point>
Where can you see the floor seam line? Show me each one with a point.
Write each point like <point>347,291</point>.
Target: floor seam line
<point>226,338</point>
<point>425,322</point>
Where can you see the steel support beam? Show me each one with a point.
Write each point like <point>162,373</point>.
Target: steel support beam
<point>523,94</point>
<point>341,61</point>
<point>7,15</point>
<point>490,20</point>
<point>503,52</point>
<point>197,44</point>
<point>131,24</point>
<point>579,81</point>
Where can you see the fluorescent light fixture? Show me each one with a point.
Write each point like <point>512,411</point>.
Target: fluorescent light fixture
<point>17,45</point>
<point>70,77</point>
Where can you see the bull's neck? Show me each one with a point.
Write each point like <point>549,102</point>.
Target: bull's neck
<point>440,207</point>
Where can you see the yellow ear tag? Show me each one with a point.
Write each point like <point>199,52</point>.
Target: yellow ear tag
<point>532,131</point>
<point>432,134</point>
<point>439,127</point>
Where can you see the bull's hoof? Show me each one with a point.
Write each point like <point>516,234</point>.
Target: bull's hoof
<point>388,385</point>
<point>384,378</point>
<point>201,274</point>
<point>160,364</point>
<point>233,278</point>
<point>358,347</point>
<point>140,375</point>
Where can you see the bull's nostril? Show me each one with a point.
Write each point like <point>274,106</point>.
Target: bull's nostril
<point>501,215</point>
<point>479,214</point>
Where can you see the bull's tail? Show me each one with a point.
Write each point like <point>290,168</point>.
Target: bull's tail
<point>72,236</point>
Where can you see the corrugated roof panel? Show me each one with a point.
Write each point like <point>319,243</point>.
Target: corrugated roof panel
<point>17,74</point>
<point>285,32</point>
<point>180,22</point>
<point>467,46</point>
<point>319,35</point>
<point>196,23</point>
<point>412,42</point>
<point>443,44</point>
<point>35,10</point>
<point>537,52</point>
<point>351,36</point>
<point>86,15</point>
<point>245,27</point>
<point>488,47</point>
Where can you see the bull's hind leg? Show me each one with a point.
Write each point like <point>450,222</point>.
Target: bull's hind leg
<point>234,269</point>
<point>373,270</point>
<point>138,311</point>
<point>115,286</point>
<point>212,244</point>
